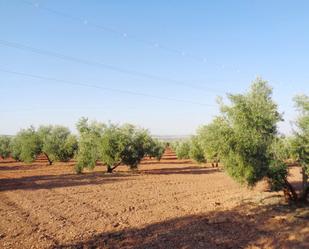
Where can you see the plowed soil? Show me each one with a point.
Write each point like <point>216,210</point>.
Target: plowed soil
<point>167,204</point>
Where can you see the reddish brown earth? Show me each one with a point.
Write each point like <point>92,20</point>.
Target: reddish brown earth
<point>167,204</point>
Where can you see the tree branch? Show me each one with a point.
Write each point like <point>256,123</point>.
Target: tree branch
<point>290,191</point>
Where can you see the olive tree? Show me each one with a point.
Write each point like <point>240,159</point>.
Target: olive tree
<point>126,145</point>
<point>174,145</point>
<point>113,145</point>
<point>196,152</point>
<point>300,143</point>
<point>26,145</point>
<point>5,146</point>
<point>88,152</point>
<point>214,139</point>
<point>183,149</point>
<point>58,144</point>
<point>251,122</point>
<point>242,136</point>
<point>282,148</point>
<point>155,148</point>
<point>245,137</point>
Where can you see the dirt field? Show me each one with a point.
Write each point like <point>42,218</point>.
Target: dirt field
<point>167,204</point>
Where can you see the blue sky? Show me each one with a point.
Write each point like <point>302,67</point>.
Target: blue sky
<point>192,51</point>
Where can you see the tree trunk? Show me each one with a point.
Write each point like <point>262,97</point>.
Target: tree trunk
<point>217,163</point>
<point>305,187</point>
<point>290,192</point>
<point>48,159</point>
<point>109,169</point>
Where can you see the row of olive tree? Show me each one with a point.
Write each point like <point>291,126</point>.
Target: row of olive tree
<point>109,143</point>
<point>55,142</point>
<point>189,149</point>
<point>246,139</point>
<point>300,142</point>
<point>5,146</point>
<point>114,145</point>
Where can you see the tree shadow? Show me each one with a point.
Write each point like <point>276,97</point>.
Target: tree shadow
<point>60,181</point>
<point>193,170</point>
<point>170,157</point>
<point>21,167</point>
<point>7,166</point>
<point>268,226</point>
<point>8,160</point>
<point>164,161</point>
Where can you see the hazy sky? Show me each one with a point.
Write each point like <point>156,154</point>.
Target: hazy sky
<point>157,64</point>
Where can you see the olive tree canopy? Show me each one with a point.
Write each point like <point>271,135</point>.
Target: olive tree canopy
<point>26,145</point>
<point>114,145</point>
<point>242,136</point>
<point>58,144</point>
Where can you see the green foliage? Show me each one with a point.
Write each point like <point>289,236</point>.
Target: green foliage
<point>183,150</point>
<point>244,133</point>
<point>281,149</point>
<point>196,152</point>
<point>189,149</point>
<point>300,143</point>
<point>26,145</point>
<point>137,144</point>
<point>277,175</point>
<point>88,144</point>
<point>5,146</point>
<point>114,145</point>
<point>126,145</point>
<point>214,138</point>
<point>174,145</point>
<point>16,147</point>
<point>155,149</point>
<point>58,144</point>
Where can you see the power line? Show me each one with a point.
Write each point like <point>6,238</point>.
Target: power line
<point>99,64</point>
<point>82,84</point>
<point>126,35</point>
<point>121,33</point>
<point>41,109</point>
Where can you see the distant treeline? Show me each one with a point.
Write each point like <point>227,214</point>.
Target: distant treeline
<point>108,143</point>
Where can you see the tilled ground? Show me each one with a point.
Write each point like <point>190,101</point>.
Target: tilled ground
<point>167,204</point>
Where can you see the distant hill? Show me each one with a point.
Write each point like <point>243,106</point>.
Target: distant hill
<point>169,138</point>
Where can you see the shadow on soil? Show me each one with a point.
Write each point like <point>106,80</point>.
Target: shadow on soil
<point>267,226</point>
<point>193,170</point>
<point>162,162</point>
<point>92,178</point>
<point>31,166</point>
<point>21,167</point>
<point>59,181</point>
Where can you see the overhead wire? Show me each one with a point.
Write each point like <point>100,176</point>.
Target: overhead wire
<point>58,55</point>
<point>100,87</point>
<point>121,33</point>
<point>127,35</point>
